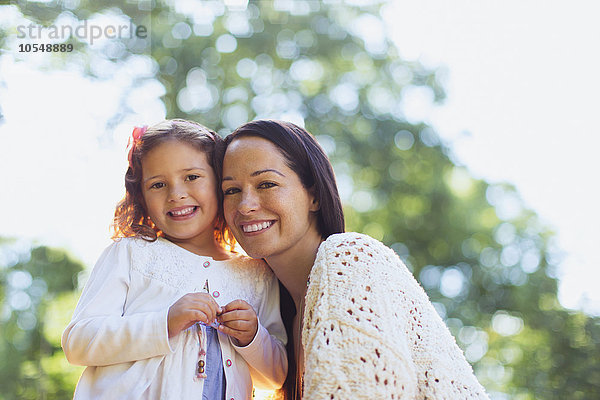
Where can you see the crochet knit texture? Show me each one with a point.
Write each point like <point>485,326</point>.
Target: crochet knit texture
<point>370,330</point>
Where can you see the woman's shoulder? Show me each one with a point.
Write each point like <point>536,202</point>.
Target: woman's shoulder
<point>355,257</point>
<point>355,247</point>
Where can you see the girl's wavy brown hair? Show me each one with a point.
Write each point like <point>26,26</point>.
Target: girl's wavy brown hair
<point>131,217</point>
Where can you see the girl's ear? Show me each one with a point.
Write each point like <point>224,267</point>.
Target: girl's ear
<point>314,202</point>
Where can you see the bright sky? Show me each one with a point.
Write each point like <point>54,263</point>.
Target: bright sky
<point>522,80</point>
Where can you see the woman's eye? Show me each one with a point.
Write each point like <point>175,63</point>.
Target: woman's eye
<point>266,185</point>
<point>192,177</point>
<point>157,185</point>
<point>230,191</point>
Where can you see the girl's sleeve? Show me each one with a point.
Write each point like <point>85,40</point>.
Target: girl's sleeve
<point>351,350</point>
<point>99,332</point>
<point>266,355</point>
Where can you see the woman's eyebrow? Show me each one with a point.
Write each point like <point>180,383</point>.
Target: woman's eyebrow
<point>262,171</point>
<point>256,173</point>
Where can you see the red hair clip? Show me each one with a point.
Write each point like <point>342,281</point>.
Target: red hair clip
<point>136,135</point>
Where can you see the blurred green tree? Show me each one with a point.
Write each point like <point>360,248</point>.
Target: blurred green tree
<point>37,286</point>
<point>488,264</point>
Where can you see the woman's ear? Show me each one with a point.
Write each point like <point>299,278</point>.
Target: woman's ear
<point>314,202</point>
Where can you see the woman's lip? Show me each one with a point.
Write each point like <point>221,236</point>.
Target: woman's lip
<point>256,227</point>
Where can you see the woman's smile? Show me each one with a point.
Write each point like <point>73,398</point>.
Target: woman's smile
<point>256,227</point>
<point>268,209</point>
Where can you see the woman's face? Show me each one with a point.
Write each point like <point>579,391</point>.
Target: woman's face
<point>265,204</point>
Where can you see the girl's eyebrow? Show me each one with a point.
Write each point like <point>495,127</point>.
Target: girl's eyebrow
<point>256,173</point>
<point>183,170</point>
<point>151,177</point>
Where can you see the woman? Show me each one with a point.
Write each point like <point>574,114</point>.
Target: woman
<point>365,327</point>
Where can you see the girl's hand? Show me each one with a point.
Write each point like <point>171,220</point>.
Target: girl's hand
<point>239,321</point>
<point>189,309</point>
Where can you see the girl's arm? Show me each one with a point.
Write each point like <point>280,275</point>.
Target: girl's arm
<point>99,332</point>
<point>266,355</point>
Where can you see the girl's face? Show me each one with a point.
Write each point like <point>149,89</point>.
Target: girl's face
<point>179,189</point>
<point>265,204</point>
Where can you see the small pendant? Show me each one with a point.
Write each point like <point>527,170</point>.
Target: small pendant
<point>200,371</point>
<point>206,288</point>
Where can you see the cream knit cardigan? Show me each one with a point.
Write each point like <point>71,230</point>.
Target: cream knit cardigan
<point>370,331</point>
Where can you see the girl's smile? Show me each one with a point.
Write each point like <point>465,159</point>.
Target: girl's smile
<point>179,188</point>
<point>182,213</point>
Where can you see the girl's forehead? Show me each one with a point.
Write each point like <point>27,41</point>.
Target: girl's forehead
<point>175,149</point>
<point>173,155</point>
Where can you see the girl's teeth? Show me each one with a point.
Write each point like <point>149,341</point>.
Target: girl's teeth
<point>183,212</point>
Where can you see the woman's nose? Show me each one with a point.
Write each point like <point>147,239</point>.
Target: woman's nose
<point>249,203</point>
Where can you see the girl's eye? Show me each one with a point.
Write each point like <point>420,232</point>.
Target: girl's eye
<point>230,191</point>
<point>192,177</point>
<point>157,185</point>
<point>266,185</point>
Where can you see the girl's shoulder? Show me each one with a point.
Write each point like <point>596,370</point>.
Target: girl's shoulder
<point>134,243</point>
<point>252,277</point>
<point>249,265</point>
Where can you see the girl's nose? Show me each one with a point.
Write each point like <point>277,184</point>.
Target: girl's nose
<point>177,193</point>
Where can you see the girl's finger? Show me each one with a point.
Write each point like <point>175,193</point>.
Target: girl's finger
<point>238,325</point>
<point>211,309</point>
<point>236,315</point>
<point>237,305</point>
<point>228,330</point>
<point>198,315</point>
<point>208,300</point>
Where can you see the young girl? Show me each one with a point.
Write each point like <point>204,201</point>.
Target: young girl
<point>168,311</point>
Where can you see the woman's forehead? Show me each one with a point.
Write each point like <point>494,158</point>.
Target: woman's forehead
<point>253,156</point>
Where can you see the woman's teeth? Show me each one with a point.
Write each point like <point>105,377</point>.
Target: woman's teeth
<point>184,211</point>
<point>256,227</point>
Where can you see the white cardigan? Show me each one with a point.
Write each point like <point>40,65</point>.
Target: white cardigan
<point>119,327</point>
<point>370,331</point>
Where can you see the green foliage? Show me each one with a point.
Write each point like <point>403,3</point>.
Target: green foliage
<point>37,294</point>
<point>487,263</point>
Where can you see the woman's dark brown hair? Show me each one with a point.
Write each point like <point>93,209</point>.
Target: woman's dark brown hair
<point>131,217</point>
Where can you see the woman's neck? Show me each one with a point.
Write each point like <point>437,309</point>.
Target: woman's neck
<point>293,267</point>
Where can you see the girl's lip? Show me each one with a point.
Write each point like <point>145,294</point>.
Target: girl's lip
<point>252,228</point>
<point>182,213</point>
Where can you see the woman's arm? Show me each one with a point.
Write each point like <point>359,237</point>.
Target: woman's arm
<point>99,332</point>
<point>351,349</point>
<point>367,314</point>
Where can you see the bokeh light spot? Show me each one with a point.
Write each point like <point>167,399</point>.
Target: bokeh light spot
<point>226,44</point>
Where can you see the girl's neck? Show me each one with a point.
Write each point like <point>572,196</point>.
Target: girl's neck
<point>294,269</point>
